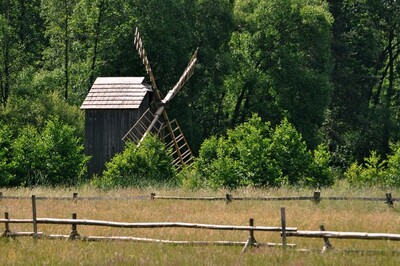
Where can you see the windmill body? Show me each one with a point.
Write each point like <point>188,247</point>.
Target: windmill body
<point>112,106</point>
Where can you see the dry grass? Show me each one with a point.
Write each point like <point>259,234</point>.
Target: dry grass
<point>305,215</point>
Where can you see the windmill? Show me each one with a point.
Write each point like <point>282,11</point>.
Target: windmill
<point>157,122</point>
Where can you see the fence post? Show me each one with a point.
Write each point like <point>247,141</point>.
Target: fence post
<point>6,232</point>
<point>283,224</point>
<point>317,197</point>
<point>327,244</point>
<point>75,196</point>
<point>389,199</point>
<point>152,196</point>
<point>1,195</point>
<point>35,233</point>
<point>251,242</point>
<point>228,198</point>
<point>74,233</point>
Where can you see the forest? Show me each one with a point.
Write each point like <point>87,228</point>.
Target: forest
<point>284,92</point>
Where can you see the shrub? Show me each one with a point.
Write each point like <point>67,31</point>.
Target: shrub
<point>54,157</point>
<point>148,164</point>
<point>253,154</point>
<point>393,166</point>
<point>6,163</point>
<point>239,159</point>
<point>376,171</point>
<point>321,173</point>
<point>289,150</point>
<point>371,173</point>
<point>29,158</point>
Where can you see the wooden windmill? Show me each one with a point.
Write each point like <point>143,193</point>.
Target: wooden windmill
<point>155,120</point>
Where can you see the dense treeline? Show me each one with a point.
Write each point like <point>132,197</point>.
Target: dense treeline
<point>329,68</point>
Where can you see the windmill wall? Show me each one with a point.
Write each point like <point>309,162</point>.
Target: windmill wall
<point>112,107</point>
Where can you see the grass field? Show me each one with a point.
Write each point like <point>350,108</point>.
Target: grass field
<point>354,216</point>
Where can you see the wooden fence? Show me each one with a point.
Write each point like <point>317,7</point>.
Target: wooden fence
<point>284,231</point>
<point>316,198</point>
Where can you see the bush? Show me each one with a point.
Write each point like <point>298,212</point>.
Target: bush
<point>6,163</point>
<point>239,159</point>
<point>148,164</point>
<point>392,173</point>
<point>289,150</point>
<point>321,173</point>
<point>253,154</point>
<point>29,158</point>
<point>54,157</point>
<point>376,171</point>
<point>371,172</point>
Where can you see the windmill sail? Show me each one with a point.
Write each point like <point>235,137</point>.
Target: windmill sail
<point>182,80</point>
<point>150,122</point>
<point>142,53</point>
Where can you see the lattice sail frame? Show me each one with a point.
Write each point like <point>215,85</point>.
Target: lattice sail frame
<point>150,122</point>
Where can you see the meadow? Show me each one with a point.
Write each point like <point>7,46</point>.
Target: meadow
<point>350,216</point>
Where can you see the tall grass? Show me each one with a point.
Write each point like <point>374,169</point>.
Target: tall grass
<point>305,215</point>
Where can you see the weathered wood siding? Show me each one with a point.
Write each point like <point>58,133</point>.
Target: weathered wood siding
<point>104,130</point>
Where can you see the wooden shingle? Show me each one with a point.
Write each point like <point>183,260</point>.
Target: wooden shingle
<point>116,93</point>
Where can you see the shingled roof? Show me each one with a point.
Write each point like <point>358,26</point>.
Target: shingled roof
<point>116,93</point>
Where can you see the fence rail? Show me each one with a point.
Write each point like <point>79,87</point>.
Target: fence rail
<point>285,231</point>
<point>145,225</point>
<point>316,198</point>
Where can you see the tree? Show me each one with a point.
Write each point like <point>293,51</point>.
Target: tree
<point>57,16</point>
<point>285,48</point>
<point>9,48</point>
<point>24,109</point>
<point>365,47</point>
<point>212,28</point>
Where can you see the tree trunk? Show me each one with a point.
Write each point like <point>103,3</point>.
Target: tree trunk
<point>66,43</point>
<point>389,94</point>
<point>236,112</point>
<point>96,42</point>
<point>7,57</point>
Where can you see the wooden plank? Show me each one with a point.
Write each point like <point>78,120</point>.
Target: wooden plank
<point>110,105</point>
<point>148,225</point>
<point>117,94</point>
<point>345,235</point>
<point>108,89</point>
<point>18,234</point>
<point>118,98</point>
<point>162,241</point>
<point>117,80</point>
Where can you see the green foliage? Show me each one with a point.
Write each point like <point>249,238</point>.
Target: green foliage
<point>274,58</point>
<point>6,162</point>
<point>239,158</point>
<point>290,152</point>
<point>148,164</point>
<point>253,154</point>
<point>375,171</point>
<point>65,160</point>
<point>370,173</point>
<point>392,177</point>
<point>29,157</point>
<point>283,52</point>
<point>23,109</point>
<point>52,157</point>
<point>321,171</point>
